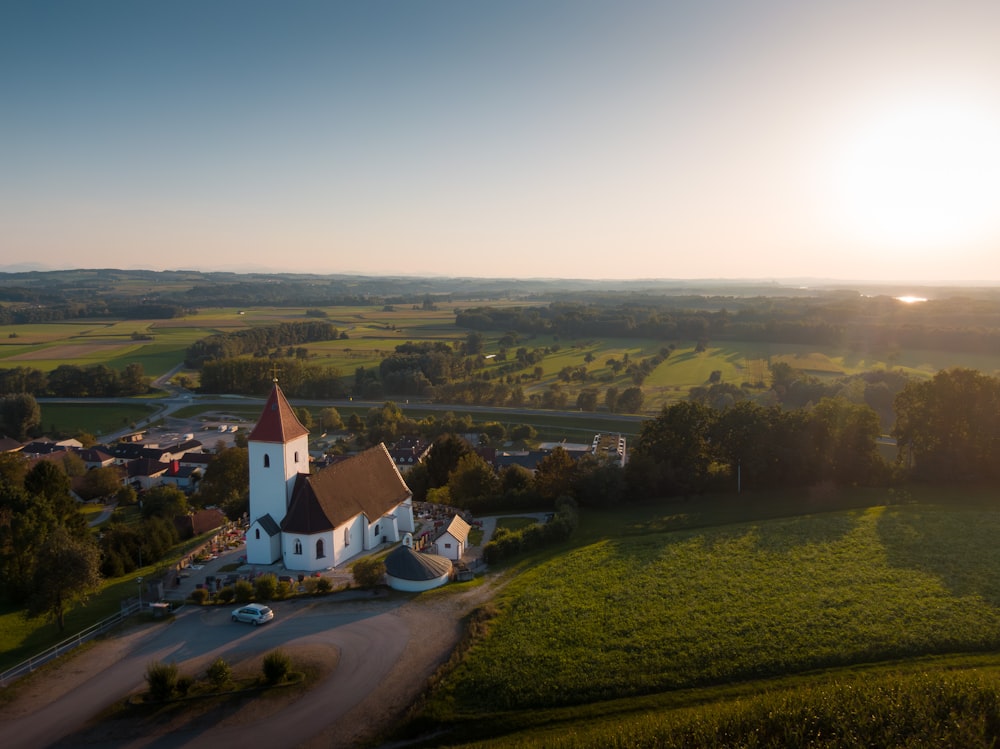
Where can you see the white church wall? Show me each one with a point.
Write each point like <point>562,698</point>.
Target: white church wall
<point>404,517</point>
<point>273,468</point>
<point>262,548</point>
<point>349,538</point>
<point>384,530</point>
<point>310,553</point>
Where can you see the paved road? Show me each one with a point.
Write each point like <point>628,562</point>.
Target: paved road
<point>370,635</point>
<point>180,399</point>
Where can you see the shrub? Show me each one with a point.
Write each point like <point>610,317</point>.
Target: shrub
<point>162,679</point>
<point>276,666</point>
<point>219,673</point>
<point>368,572</point>
<point>506,544</point>
<point>184,684</point>
<point>199,596</point>
<point>266,587</point>
<point>226,594</point>
<point>243,591</point>
<point>323,585</point>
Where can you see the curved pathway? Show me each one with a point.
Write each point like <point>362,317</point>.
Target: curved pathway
<point>370,635</point>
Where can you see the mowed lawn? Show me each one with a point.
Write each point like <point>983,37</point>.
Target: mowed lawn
<point>652,612</point>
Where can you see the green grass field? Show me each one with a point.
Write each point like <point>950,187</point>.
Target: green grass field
<point>634,611</point>
<point>374,332</point>
<point>95,419</point>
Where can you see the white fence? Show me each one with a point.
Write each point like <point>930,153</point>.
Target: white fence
<point>37,661</point>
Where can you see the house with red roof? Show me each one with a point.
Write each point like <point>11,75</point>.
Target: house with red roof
<point>313,521</point>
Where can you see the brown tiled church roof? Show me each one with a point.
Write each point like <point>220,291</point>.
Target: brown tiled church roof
<point>367,483</point>
<point>277,422</point>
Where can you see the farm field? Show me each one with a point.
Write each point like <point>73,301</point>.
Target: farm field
<point>635,615</point>
<point>373,332</point>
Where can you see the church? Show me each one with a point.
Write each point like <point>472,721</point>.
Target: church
<point>312,522</point>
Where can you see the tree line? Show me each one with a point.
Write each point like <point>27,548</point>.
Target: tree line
<point>948,429</point>
<point>260,341</point>
<point>49,559</point>
<point>74,381</point>
<point>299,379</point>
<point>850,320</point>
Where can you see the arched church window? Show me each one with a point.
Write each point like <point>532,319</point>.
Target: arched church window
<point>267,460</point>
<point>319,549</point>
<point>257,534</point>
<point>347,536</point>
<point>298,546</point>
<point>296,456</point>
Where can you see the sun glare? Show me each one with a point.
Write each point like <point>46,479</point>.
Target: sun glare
<point>924,174</point>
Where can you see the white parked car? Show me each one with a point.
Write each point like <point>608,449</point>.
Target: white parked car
<point>254,613</point>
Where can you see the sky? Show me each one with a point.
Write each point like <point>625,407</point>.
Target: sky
<point>740,139</point>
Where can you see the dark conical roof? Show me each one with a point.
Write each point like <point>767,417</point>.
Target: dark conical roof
<point>406,564</point>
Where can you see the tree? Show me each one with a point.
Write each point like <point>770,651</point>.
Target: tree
<point>587,400</point>
<point>382,422</point>
<point>445,453</point>
<point>133,380</point>
<point>85,438</point>
<point>304,416</point>
<point>949,427</point>
<point>25,523</point>
<point>853,456</point>
<point>48,480</point>
<point>611,399</point>
<point>164,502</point>
<point>13,468</point>
<point>554,474</point>
<point>473,343</point>
<point>523,433</point>
<point>598,482</point>
<point>20,415</point>
<point>227,482</point>
<point>472,481</point>
<point>630,401</point>
<point>515,479</point>
<point>67,574</point>
<point>329,419</point>
<point>672,454</point>
<point>100,482</point>
<point>73,464</point>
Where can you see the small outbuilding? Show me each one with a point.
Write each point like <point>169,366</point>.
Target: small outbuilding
<point>455,539</point>
<point>414,571</point>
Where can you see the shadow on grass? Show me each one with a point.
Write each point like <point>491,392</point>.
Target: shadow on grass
<point>958,546</point>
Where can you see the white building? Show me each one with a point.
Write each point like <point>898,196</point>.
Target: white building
<point>314,522</point>
<point>453,543</point>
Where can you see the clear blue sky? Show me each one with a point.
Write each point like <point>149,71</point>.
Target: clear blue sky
<point>618,139</point>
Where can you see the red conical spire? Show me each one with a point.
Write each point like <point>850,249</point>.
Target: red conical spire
<point>277,422</point>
